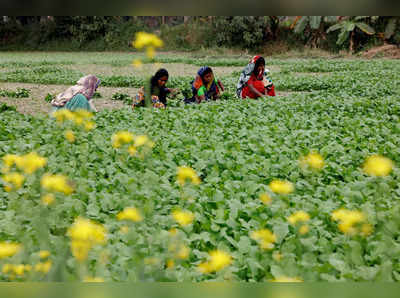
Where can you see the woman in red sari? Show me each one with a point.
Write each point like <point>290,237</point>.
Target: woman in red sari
<point>254,81</point>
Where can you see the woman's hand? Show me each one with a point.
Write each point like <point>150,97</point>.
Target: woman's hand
<point>221,86</point>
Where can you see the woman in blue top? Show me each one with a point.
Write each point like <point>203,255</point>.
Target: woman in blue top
<point>206,86</point>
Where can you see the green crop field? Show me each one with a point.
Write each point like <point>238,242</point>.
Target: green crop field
<point>236,216</point>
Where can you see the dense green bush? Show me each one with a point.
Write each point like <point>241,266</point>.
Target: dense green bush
<point>248,32</point>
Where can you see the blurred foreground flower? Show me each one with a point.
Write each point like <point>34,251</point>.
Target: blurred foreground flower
<point>58,183</point>
<point>43,254</point>
<point>299,216</point>
<point>48,199</point>
<point>352,222</point>
<point>84,235</point>
<point>218,261</point>
<point>27,163</point>
<point>120,138</point>
<point>148,41</point>
<point>281,187</point>
<point>137,63</point>
<point>184,218</point>
<point>79,117</point>
<point>264,237</point>
<point>287,279</point>
<point>377,165</point>
<point>69,135</point>
<point>266,199</point>
<point>8,249</point>
<point>14,180</point>
<point>43,267</point>
<point>130,213</point>
<point>314,160</point>
<point>187,173</point>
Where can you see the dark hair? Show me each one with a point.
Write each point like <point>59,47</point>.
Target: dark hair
<point>204,70</point>
<point>259,62</point>
<point>162,72</point>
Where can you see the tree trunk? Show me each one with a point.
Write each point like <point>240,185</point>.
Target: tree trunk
<point>352,42</point>
<point>185,19</point>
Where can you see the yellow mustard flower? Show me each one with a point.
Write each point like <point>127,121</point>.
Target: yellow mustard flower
<point>299,216</point>
<point>150,52</point>
<point>16,179</point>
<point>141,140</point>
<point>84,234</point>
<point>187,173</point>
<point>184,218</point>
<point>304,229</point>
<point>265,198</point>
<point>137,63</point>
<point>281,187</point>
<point>314,160</point>
<point>170,264</point>
<point>145,40</point>
<point>8,249</point>
<point>349,220</point>
<point>130,213</point>
<point>173,232</point>
<point>69,135</point>
<point>43,267</point>
<point>48,199</point>
<point>30,162</point>
<point>287,279</point>
<point>377,165</point>
<point>218,261</point>
<point>62,115</point>
<point>121,137</point>
<point>85,114</point>
<point>265,238</point>
<point>10,159</point>
<point>43,254</point>
<point>277,256</point>
<point>80,249</point>
<point>19,269</point>
<point>366,229</point>
<point>183,252</point>
<point>89,125</point>
<point>132,150</point>
<point>124,229</point>
<point>7,268</point>
<point>58,183</point>
<point>87,230</point>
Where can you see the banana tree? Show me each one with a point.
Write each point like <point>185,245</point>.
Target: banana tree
<point>314,25</point>
<point>347,27</point>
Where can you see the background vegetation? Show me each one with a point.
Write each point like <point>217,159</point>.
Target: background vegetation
<point>332,33</point>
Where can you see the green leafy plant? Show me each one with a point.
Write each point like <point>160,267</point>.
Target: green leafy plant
<point>347,27</point>
<point>122,97</point>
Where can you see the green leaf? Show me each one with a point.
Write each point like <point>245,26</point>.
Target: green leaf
<point>350,26</point>
<point>334,27</point>
<point>301,24</point>
<point>315,21</point>
<point>366,28</point>
<point>342,37</point>
<point>281,230</point>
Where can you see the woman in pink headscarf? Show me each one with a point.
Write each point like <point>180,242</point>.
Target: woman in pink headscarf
<point>78,96</point>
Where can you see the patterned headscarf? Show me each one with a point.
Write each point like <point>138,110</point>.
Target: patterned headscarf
<point>86,86</point>
<point>198,82</point>
<point>246,74</point>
